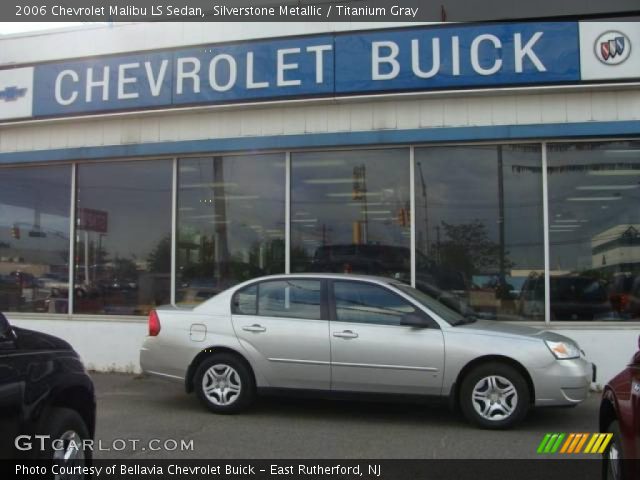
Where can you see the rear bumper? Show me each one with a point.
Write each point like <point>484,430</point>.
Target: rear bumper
<point>563,382</point>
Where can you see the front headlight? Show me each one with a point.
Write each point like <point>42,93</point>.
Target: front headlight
<point>563,350</point>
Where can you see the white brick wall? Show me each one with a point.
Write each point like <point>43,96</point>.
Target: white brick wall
<point>326,116</point>
<point>113,345</point>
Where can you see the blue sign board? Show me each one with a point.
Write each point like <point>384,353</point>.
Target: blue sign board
<point>458,57</point>
<point>425,58</point>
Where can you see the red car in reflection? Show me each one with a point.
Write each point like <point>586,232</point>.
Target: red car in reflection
<point>620,415</point>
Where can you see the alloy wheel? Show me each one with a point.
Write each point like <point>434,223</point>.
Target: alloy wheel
<point>69,452</point>
<point>614,462</point>
<point>221,384</point>
<point>494,398</point>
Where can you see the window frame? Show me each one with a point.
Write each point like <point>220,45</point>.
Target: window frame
<point>431,324</point>
<point>324,293</point>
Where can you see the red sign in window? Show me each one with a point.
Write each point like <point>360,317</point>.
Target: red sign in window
<point>93,220</point>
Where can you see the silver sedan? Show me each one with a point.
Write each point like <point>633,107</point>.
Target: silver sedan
<point>357,335</point>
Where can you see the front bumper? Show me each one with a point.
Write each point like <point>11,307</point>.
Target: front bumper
<point>563,382</point>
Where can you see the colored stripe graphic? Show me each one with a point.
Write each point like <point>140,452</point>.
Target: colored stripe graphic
<point>592,441</point>
<point>558,442</point>
<point>543,443</point>
<point>583,439</point>
<point>600,443</point>
<point>567,442</point>
<point>551,442</point>
<point>573,443</point>
<point>605,443</point>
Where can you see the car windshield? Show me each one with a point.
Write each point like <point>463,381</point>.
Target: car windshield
<point>446,313</point>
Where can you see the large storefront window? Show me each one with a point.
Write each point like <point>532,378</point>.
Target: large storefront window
<point>350,212</point>
<point>479,229</point>
<point>34,238</point>
<point>123,237</point>
<point>231,222</point>
<point>594,230</point>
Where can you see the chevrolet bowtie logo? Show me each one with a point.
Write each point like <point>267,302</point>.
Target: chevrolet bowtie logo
<point>11,94</point>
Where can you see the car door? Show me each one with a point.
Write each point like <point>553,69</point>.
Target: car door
<point>283,327</point>
<point>635,401</point>
<point>372,352</point>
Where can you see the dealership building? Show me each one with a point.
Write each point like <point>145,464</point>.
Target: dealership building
<point>496,166</point>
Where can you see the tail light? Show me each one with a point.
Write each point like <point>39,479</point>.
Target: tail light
<point>154,323</point>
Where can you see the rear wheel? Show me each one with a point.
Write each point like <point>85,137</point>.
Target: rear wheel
<point>494,396</point>
<point>612,456</point>
<point>224,384</point>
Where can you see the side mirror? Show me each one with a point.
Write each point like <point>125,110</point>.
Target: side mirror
<point>415,320</point>
<point>6,332</point>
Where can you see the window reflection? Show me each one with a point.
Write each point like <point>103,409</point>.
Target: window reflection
<point>34,239</point>
<point>479,236</point>
<point>290,299</point>
<point>230,222</point>
<point>350,212</point>
<point>594,226</point>
<point>123,237</point>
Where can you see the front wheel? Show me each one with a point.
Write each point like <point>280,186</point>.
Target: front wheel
<point>224,384</point>
<point>66,434</point>
<point>494,396</point>
<point>613,455</point>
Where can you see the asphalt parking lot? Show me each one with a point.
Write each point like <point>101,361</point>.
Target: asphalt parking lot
<point>141,408</point>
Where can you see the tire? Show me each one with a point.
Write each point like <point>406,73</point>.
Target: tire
<point>235,389</point>
<point>501,396</point>
<point>66,430</point>
<point>612,458</point>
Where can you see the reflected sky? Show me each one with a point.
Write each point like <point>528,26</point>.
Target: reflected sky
<point>462,186</point>
<point>349,197</point>
<point>594,191</point>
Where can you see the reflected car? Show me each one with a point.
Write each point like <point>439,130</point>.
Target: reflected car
<point>24,279</point>
<point>10,292</point>
<point>620,415</point>
<point>53,282</point>
<point>344,335</point>
<point>620,291</point>
<point>572,298</point>
<point>46,392</point>
<point>633,307</point>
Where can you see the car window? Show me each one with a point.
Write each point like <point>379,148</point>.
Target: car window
<point>365,303</point>
<point>290,299</point>
<point>245,300</point>
<point>440,304</point>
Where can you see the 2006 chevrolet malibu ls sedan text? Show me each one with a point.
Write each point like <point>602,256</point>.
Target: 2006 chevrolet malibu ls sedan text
<point>348,334</point>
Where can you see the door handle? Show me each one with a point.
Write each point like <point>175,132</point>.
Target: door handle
<point>254,328</point>
<point>345,334</point>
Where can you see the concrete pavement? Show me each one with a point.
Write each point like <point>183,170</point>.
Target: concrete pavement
<point>135,408</point>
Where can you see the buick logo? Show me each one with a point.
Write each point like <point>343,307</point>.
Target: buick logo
<point>612,48</point>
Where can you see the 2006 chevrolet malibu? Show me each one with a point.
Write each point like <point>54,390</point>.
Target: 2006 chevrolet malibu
<point>348,334</point>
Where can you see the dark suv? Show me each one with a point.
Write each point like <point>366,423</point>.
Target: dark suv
<point>573,297</point>
<point>44,391</point>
